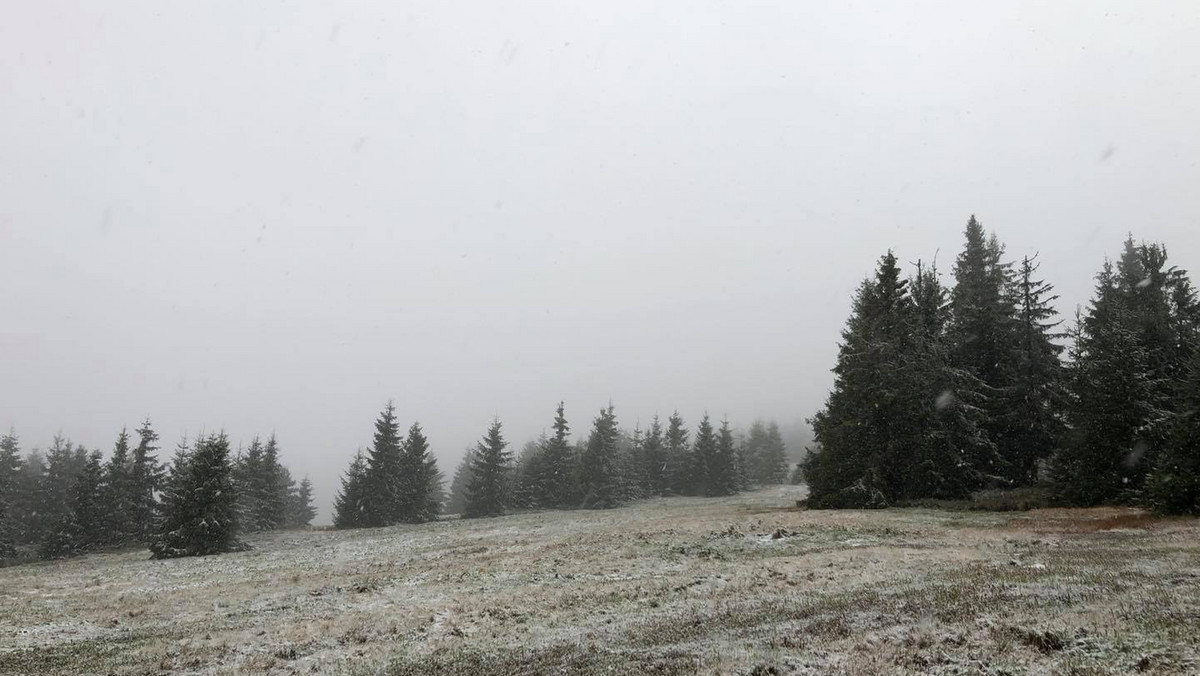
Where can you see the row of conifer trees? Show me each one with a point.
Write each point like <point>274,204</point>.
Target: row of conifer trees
<point>68,500</point>
<point>397,480</point>
<point>941,393</point>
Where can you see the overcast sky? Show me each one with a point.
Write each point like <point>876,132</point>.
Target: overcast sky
<point>266,216</point>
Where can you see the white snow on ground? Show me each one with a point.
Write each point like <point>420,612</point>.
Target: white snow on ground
<point>667,585</point>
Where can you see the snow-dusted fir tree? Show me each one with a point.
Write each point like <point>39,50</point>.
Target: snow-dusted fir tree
<point>704,459</point>
<point>383,479</point>
<point>599,473</point>
<point>349,507</point>
<point>10,471</point>
<point>82,526</point>
<point>301,511</point>
<point>723,467</point>
<point>1173,486</point>
<point>558,477</point>
<point>456,501</point>
<point>118,494</point>
<point>145,481</point>
<point>677,457</point>
<point>201,515</point>
<point>421,484</point>
<point>490,464</point>
<point>654,462</point>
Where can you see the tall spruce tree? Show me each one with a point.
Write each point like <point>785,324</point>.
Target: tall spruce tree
<point>174,484</point>
<point>1111,405</point>
<point>654,463</point>
<point>1129,361</point>
<point>145,481</point>
<point>488,483</point>
<point>25,520</point>
<point>949,453</point>
<point>598,466</point>
<point>558,489</point>
<point>774,458</point>
<point>301,511</point>
<point>753,451</point>
<point>525,480</point>
<point>349,507</point>
<point>704,450</point>
<point>457,500</point>
<point>81,526</point>
<point>766,455</point>
<point>53,498</point>
<point>117,500</point>
<point>856,461</point>
<point>247,475</point>
<point>272,484</point>
<point>384,475</point>
<point>1033,421</point>
<point>10,471</point>
<point>1173,486</point>
<point>423,481</point>
<point>201,517</point>
<point>723,471</point>
<point>981,335</point>
<point>678,457</point>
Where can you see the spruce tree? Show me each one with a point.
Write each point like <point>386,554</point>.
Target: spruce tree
<point>525,480</point>
<point>1173,486</point>
<point>272,483</point>
<point>654,463</point>
<point>10,462</point>
<point>25,520</point>
<point>949,451</point>
<point>118,497</point>
<point>457,500</point>
<point>677,457</point>
<point>384,475</point>
<point>854,463</point>
<point>174,486</point>
<point>753,451</point>
<point>202,516</point>
<point>598,466</point>
<point>301,511</point>
<point>81,526</point>
<point>557,468</point>
<point>723,471</point>
<point>423,482</point>
<point>10,471</point>
<point>1033,419</point>
<point>901,422</point>
<point>704,461</point>
<point>247,475</point>
<point>981,335</point>
<point>631,485</point>
<point>775,459</point>
<point>53,497</point>
<point>144,482</point>
<point>490,465</point>
<point>1113,399</point>
<point>349,507</point>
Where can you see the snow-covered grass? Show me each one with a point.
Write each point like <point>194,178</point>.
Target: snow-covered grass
<point>747,584</point>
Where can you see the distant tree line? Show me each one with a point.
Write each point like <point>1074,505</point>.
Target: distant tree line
<point>397,480</point>
<point>940,393</point>
<point>68,501</point>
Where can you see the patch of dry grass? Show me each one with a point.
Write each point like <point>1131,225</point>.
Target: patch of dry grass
<point>746,585</point>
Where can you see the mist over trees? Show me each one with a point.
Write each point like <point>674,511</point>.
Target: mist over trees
<point>68,501</point>
<point>939,394</point>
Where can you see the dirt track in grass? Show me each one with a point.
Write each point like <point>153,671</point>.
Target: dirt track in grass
<point>746,584</point>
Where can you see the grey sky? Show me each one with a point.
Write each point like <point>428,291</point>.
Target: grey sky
<point>258,216</point>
